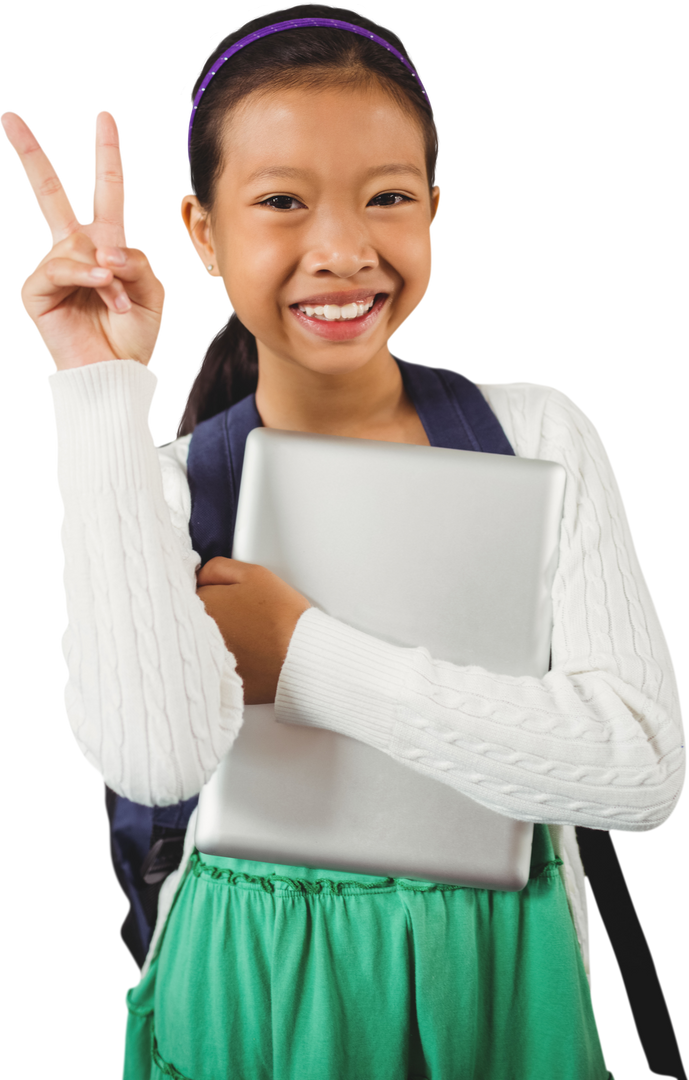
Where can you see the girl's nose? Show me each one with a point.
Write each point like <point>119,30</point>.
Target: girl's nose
<point>342,251</point>
<point>342,259</point>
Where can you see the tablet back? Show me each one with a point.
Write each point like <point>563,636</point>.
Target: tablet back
<point>451,550</point>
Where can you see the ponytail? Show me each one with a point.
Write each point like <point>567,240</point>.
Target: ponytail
<point>229,372</point>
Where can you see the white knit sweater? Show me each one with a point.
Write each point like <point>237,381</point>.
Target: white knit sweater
<point>155,701</point>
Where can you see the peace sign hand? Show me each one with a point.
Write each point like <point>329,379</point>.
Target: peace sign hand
<point>91,298</point>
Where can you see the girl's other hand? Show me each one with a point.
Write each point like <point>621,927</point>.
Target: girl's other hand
<point>257,612</point>
<point>92,298</point>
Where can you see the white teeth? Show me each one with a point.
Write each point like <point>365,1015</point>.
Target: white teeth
<point>333,312</point>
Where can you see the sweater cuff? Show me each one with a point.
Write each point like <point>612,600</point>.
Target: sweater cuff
<point>339,678</point>
<point>102,424</point>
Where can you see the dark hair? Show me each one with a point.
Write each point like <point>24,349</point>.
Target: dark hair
<point>306,57</point>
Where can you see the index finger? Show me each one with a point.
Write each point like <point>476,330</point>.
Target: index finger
<point>52,197</point>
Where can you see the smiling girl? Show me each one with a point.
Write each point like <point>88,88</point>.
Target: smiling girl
<point>312,154</point>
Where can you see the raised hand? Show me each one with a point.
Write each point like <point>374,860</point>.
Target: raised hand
<point>92,298</point>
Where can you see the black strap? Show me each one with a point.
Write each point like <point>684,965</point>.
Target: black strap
<point>632,954</point>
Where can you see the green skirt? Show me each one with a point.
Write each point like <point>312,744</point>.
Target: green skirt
<point>269,972</point>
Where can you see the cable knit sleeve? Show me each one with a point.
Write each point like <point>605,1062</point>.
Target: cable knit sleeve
<point>596,742</point>
<point>153,696</point>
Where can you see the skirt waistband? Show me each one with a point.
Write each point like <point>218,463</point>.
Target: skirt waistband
<point>271,877</point>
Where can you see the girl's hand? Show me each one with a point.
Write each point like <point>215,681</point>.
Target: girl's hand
<point>257,612</point>
<point>91,298</point>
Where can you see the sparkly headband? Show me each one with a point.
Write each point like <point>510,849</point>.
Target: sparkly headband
<point>295,24</point>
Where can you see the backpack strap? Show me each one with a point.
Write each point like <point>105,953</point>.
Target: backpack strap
<point>453,410</point>
<point>214,470</point>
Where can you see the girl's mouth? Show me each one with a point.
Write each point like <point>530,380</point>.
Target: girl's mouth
<point>340,322</point>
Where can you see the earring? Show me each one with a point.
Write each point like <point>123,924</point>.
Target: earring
<point>210,266</point>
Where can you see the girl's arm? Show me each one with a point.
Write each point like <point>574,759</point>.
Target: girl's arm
<point>596,742</point>
<point>153,695</point>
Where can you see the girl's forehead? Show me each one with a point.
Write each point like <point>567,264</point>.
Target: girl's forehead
<point>324,127</point>
<point>262,105</point>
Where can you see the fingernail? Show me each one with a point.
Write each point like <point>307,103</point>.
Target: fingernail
<point>122,302</point>
<point>116,256</point>
<point>99,274</point>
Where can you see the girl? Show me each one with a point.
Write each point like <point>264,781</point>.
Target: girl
<point>313,153</point>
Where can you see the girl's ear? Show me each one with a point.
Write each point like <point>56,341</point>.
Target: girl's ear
<point>435,196</point>
<point>197,221</point>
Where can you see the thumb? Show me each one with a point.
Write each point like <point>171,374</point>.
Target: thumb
<point>221,571</point>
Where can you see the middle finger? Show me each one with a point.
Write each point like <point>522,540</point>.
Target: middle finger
<point>108,202</point>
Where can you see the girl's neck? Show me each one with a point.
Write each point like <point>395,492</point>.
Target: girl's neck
<point>368,403</point>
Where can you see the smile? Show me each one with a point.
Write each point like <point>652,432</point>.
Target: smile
<point>340,322</point>
<point>335,312</point>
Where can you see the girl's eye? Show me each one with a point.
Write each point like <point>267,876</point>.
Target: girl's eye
<point>268,202</point>
<point>393,194</point>
<point>388,194</point>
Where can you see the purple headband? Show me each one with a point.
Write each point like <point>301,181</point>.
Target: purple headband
<point>295,24</point>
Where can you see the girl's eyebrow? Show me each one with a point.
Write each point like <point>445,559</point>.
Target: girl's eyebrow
<point>288,172</point>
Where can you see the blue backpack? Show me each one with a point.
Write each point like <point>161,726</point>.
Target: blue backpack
<point>147,842</point>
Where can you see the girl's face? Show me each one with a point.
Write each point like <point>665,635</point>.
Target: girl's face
<point>323,203</point>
